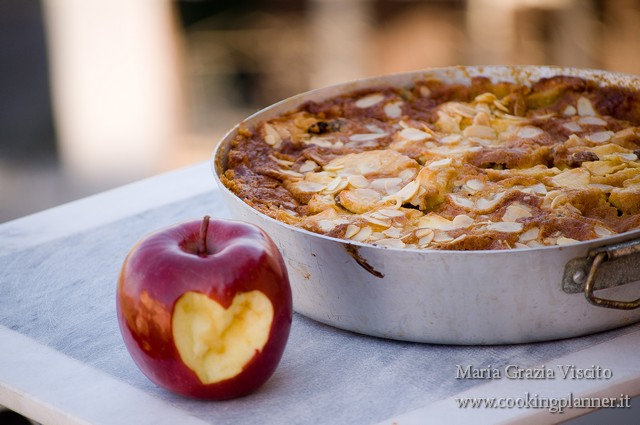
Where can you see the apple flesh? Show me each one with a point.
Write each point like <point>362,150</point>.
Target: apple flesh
<point>205,308</point>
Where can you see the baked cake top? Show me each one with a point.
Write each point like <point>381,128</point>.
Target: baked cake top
<point>450,166</point>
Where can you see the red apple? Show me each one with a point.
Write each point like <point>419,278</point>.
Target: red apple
<point>205,308</point>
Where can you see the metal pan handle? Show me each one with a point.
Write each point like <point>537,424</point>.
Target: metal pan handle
<point>605,267</point>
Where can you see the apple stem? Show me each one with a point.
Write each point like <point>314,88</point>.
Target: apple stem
<point>202,241</point>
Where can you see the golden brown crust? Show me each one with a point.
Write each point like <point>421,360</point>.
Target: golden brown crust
<point>438,166</point>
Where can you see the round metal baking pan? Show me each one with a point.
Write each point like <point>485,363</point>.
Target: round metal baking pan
<point>453,297</point>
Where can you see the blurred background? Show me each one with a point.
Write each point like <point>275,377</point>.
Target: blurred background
<point>95,94</point>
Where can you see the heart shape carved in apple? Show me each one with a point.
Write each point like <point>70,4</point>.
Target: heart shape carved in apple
<point>216,342</point>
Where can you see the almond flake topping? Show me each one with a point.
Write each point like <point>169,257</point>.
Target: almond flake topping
<point>565,241</point>
<point>364,234</point>
<point>393,109</point>
<point>358,181</point>
<point>391,243</point>
<point>370,100</point>
<point>473,185</point>
<point>414,134</point>
<point>408,191</point>
<point>351,230</point>
<point>529,132</point>
<point>479,131</point>
<point>572,126</point>
<point>600,137</point>
<point>485,204</point>
<point>308,165</point>
<point>451,139</point>
<point>505,227</point>
<point>310,187</point>
<point>529,235</point>
<point>461,201</point>
<point>591,120</point>
<point>440,163</point>
<point>441,236</point>
<point>366,137</point>
<point>272,137</point>
<point>516,211</point>
<point>505,161</point>
<point>584,107</point>
<point>437,222</point>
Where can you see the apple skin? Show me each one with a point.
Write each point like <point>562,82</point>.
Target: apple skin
<point>164,265</point>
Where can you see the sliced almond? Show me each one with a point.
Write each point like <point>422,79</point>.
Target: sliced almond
<point>628,156</point>
<point>414,134</point>
<point>391,243</point>
<point>447,123</point>
<point>539,189</point>
<point>439,163</point>
<point>390,212</point>
<point>486,98</point>
<point>572,126</point>
<point>488,204</point>
<point>529,235</point>
<point>271,136</point>
<point>323,142</point>
<point>351,230</point>
<point>569,110</point>
<point>602,231</point>
<point>584,107</point>
<point>450,139</point>
<point>393,232</point>
<point>369,100</point>
<point>364,234</point>
<point>591,120</point>
<point>441,236</point>
<point>600,137</point>
<point>359,200</point>
<point>308,165</point>
<point>437,222</point>
<point>426,239</point>
<point>479,131</point>
<point>574,178</point>
<point>422,232</point>
<point>358,181</point>
<point>529,132</point>
<point>393,109</point>
<point>407,174</point>
<point>283,162</point>
<point>388,185</point>
<point>408,191</point>
<point>336,184</point>
<point>462,201</point>
<point>291,173</point>
<point>473,185</point>
<point>565,241</point>
<point>310,187</point>
<point>328,225</point>
<point>461,109</point>
<point>366,137</point>
<point>515,212</point>
<point>505,227</point>
<point>378,220</point>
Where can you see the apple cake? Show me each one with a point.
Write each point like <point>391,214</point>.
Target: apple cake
<point>479,166</point>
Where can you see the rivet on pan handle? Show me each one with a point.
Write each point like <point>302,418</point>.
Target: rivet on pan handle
<point>605,267</point>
